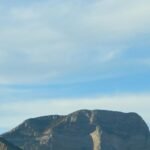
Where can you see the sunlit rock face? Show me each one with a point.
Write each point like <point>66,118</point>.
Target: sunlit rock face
<point>5,145</point>
<point>83,130</point>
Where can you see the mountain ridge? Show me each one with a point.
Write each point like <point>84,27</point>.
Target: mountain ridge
<point>91,129</point>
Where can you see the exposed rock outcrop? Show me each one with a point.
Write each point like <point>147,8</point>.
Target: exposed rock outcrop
<point>83,130</point>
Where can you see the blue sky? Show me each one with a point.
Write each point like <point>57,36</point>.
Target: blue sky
<point>59,56</point>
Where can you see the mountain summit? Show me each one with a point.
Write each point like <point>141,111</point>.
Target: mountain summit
<point>83,130</point>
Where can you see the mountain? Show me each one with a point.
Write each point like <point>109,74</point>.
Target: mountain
<point>83,130</point>
<point>5,145</point>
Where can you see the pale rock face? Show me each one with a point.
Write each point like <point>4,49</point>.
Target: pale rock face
<point>83,130</point>
<point>96,138</point>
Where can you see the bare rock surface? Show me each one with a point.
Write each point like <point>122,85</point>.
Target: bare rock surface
<point>83,130</point>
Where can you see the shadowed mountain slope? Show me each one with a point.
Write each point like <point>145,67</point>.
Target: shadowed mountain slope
<point>83,130</point>
<point>5,145</point>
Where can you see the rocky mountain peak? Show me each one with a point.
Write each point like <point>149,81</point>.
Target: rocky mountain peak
<point>83,130</point>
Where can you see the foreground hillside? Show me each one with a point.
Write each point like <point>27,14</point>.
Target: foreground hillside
<point>83,130</point>
<point>5,145</point>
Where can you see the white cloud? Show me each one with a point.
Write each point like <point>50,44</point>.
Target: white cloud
<point>15,112</point>
<point>46,41</point>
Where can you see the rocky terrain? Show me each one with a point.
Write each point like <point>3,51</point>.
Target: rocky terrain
<point>5,145</point>
<point>82,130</point>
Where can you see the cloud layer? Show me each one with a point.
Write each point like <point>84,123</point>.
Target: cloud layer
<point>54,53</point>
<point>50,41</point>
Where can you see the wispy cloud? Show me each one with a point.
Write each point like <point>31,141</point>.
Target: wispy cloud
<point>47,41</point>
<point>73,49</point>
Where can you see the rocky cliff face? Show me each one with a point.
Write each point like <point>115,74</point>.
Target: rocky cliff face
<point>5,145</point>
<point>83,130</point>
